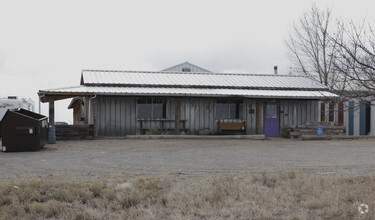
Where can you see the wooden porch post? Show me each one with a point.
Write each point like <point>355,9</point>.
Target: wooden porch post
<point>295,118</point>
<point>341,114</point>
<point>51,112</point>
<point>94,117</point>
<point>177,117</point>
<point>257,121</point>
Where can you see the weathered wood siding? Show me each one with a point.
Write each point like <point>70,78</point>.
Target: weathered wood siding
<point>117,116</point>
<point>250,115</point>
<point>297,112</point>
<point>199,113</point>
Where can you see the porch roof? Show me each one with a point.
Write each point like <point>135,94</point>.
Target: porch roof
<point>194,92</point>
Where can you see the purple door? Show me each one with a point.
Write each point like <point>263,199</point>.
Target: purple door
<point>271,119</point>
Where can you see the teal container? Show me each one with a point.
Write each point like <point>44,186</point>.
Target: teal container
<point>52,134</point>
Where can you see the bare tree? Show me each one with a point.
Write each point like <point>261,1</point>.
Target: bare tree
<point>312,44</point>
<point>356,59</point>
<point>338,54</point>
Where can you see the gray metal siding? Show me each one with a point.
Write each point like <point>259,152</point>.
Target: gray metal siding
<point>294,112</point>
<point>199,113</point>
<point>117,116</point>
<point>250,115</point>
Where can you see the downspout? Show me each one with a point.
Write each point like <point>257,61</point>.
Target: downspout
<point>90,109</point>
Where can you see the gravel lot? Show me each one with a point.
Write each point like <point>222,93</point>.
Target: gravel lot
<point>188,158</point>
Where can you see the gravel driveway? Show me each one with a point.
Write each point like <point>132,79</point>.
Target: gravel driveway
<point>190,158</point>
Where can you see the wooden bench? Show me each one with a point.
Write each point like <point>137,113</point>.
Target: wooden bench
<point>232,126</point>
<point>160,124</point>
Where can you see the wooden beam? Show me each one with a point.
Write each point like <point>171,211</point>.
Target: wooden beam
<point>295,118</point>
<point>177,117</point>
<point>341,114</point>
<point>85,109</point>
<point>46,98</point>
<point>51,113</point>
<point>55,97</point>
<point>257,122</point>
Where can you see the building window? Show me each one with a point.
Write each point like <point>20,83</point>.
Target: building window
<point>229,109</point>
<point>151,108</point>
<point>186,69</point>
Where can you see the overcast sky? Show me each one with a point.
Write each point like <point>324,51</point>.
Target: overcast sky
<point>45,44</point>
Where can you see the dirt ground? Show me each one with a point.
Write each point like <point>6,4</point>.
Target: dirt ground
<point>188,158</point>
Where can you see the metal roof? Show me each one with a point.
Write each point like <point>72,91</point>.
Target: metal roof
<point>198,80</point>
<point>205,92</point>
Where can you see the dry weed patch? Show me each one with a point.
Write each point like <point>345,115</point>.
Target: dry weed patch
<point>286,195</point>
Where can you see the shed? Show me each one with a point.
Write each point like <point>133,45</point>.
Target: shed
<point>121,103</point>
<point>23,130</point>
<point>79,111</point>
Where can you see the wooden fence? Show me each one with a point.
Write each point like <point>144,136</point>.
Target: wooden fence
<point>74,132</point>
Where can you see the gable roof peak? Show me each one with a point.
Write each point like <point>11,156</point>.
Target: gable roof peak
<point>186,67</point>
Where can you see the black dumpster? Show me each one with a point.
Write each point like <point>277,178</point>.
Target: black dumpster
<point>23,130</point>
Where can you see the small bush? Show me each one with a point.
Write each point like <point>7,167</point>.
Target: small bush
<point>269,181</point>
<point>155,131</point>
<point>96,188</point>
<point>291,174</point>
<point>49,209</point>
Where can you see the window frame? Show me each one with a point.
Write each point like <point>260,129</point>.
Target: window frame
<point>229,102</point>
<point>153,102</point>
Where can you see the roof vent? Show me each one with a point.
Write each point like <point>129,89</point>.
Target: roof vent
<point>275,70</point>
<point>12,97</point>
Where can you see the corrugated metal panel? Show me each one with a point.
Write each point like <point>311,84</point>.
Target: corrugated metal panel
<point>146,91</point>
<point>116,116</point>
<point>170,79</point>
<point>298,112</point>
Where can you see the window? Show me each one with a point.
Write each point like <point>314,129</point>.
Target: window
<point>229,109</point>
<point>151,108</point>
<point>186,69</point>
<point>271,111</point>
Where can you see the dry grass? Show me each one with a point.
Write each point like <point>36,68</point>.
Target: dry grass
<point>287,195</point>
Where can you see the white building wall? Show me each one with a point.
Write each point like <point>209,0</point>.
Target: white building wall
<point>372,125</point>
<point>356,118</point>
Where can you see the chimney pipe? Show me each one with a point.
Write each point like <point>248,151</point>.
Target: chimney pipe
<point>275,70</point>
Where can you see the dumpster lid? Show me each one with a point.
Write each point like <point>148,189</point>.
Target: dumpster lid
<point>26,113</point>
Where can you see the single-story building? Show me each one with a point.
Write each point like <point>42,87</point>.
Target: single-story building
<point>186,99</point>
<point>354,110</point>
